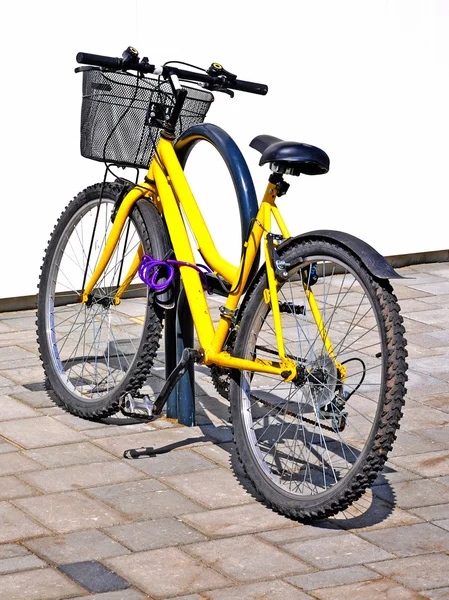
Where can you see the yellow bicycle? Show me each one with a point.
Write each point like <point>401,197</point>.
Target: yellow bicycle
<point>309,349</point>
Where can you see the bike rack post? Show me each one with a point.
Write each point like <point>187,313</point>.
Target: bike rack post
<point>178,333</point>
<point>185,390</point>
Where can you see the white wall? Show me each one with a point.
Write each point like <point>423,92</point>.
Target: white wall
<point>364,80</point>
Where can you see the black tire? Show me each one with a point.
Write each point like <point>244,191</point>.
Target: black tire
<point>94,354</point>
<point>312,447</point>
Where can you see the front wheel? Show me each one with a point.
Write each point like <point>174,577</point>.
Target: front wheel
<point>312,446</point>
<point>93,353</point>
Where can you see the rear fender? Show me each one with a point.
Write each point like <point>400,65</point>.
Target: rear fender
<point>374,262</point>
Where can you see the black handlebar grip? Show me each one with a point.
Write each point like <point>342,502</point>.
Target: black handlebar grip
<point>249,86</point>
<point>97,60</point>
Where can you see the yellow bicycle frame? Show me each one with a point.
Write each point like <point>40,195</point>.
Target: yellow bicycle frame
<point>171,191</point>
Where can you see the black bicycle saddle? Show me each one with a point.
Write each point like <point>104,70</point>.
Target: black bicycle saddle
<point>292,158</point>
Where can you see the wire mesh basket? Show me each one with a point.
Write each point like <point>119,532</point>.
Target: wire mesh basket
<point>115,111</point>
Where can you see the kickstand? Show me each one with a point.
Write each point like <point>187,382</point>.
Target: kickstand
<point>149,410</point>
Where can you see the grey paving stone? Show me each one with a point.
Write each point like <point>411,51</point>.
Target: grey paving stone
<point>126,490</point>
<point>128,594</point>
<point>421,386</point>
<point>173,463</point>
<point>218,453</point>
<point>13,336</point>
<point>14,463</point>
<point>444,524</point>
<point>34,399</point>
<point>413,494</point>
<point>69,511</point>
<point>6,447</point>
<point>237,520</point>
<point>76,547</point>
<point>15,525</point>
<point>414,443</point>
<point>78,423</point>
<point>11,487</point>
<point>380,588</point>
<point>272,590</point>
<point>24,375</point>
<point>333,577</point>
<point>423,417</point>
<point>94,576</point>
<point>38,432</point>
<point>430,464</point>
<point>439,401</point>
<point>14,409</point>
<point>440,435</point>
<point>430,340</point>
<point>118,430</point>
<point>319,529</point>
<point>22,363</point>
<point>245,558</point>
<point>154,505</point>
<point>435,366</point>
<point>159,533</point>
<point>410,539</point>
<point>416,351</point>
<point>12,550</point>
<point>432,513</point>
<point>38,584</point>
<point>219,489</point>
<point>51,411</point>
<point>22,321</point>
<point>440,269</point>
<point>440,594</point>
<point>21,563</point>
<point>81,453</point>
<point>416,326</point>
<point>78,476</point>
<point>423,572</point>
<point>404,293</point>
<point>186,574</point>
<point>4,328</point>
<point>192,597</point>
<point>338,551</point>
<point>410,305</point>
<point>5,382</point>
<point>392,474</point>
<point>435,315</point>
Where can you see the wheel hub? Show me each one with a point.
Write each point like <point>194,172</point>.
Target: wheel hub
<point>104,301</point>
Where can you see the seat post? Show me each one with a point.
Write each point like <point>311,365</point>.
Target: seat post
<point>278,180</point>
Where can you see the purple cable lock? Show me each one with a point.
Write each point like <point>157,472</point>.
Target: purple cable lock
<point>151,269</point>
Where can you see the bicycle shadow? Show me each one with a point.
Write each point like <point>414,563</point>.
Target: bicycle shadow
<point>369,510</point>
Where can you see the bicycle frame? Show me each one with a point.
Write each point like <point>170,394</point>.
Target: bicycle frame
<point>169,192</point>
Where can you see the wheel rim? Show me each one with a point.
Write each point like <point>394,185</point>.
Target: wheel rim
<point>93,347</point>
<point>306,437</point>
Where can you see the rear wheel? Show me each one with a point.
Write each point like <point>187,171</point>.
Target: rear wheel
<point>312,446</point>
<point>95,352</point>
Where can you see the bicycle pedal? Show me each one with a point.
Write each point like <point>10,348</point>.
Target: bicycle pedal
<point>139,408</point>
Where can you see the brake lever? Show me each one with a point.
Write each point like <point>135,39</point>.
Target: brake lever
<point>224,91</point>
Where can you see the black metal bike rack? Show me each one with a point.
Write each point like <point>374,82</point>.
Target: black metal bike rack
<point>178,321</point>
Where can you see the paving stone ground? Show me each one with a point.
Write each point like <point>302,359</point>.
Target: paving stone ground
<point>75,516</point>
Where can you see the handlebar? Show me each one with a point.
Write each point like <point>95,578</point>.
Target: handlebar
<point>131,62</point>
